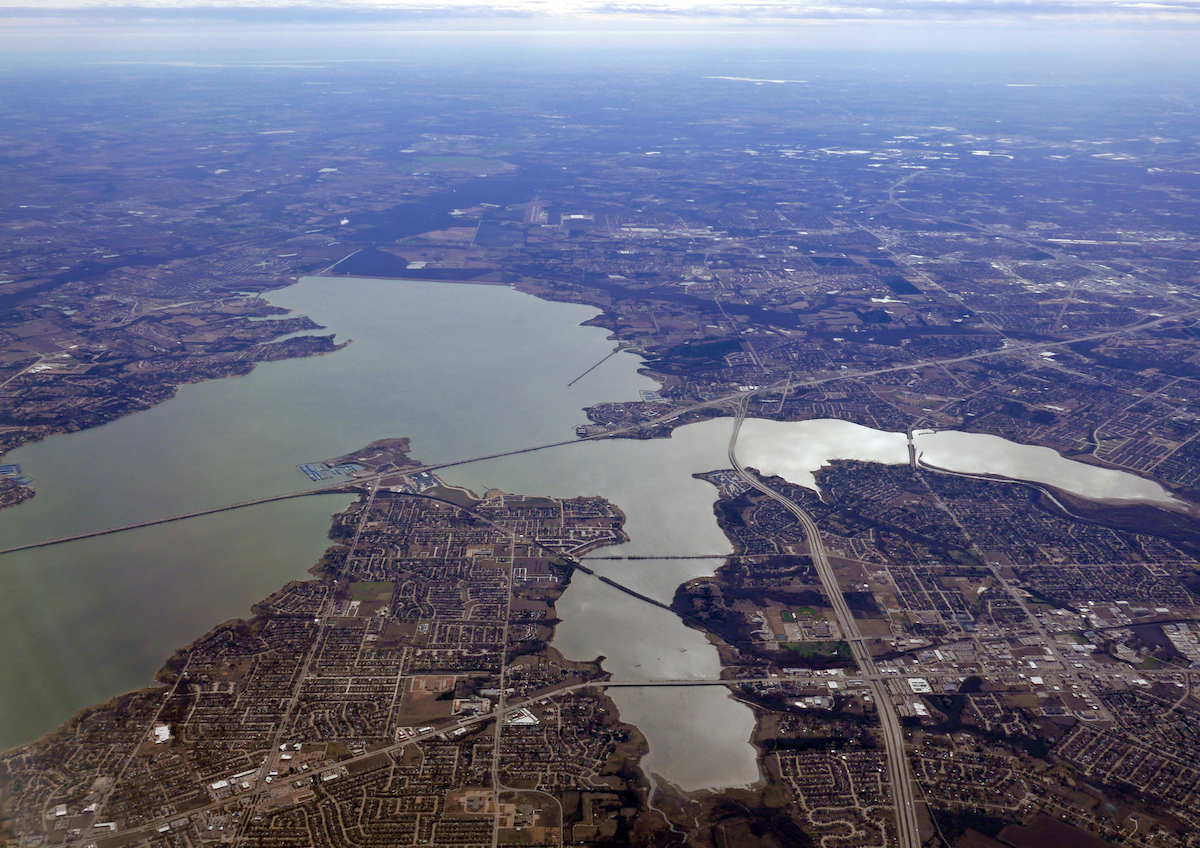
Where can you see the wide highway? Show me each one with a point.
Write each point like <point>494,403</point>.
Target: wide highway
<point>901,780</point>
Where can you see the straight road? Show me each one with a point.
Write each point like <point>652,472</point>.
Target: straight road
<point>155,521</point>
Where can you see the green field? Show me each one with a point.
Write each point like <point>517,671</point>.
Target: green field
<point>840,650</point>
<point>371,591</point>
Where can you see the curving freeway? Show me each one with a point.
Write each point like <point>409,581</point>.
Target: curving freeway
<point>907,826</point>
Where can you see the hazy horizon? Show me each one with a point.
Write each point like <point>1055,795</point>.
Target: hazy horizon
<point>1116,38</point>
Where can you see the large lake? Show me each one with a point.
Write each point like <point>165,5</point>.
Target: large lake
<point>451,366</point>
<point>463,371</point>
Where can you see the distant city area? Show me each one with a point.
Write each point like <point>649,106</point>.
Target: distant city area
<point>932,657</point>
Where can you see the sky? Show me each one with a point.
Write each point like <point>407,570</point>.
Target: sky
<point>1097,11</point>
<point>1137,31</point>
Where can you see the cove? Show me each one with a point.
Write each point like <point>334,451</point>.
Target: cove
<point>796,449</point>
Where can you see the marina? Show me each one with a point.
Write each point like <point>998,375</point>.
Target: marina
<point>318,471</point>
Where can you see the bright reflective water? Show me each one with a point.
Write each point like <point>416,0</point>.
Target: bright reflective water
<point>980,453</point>
<point>796,449</point>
